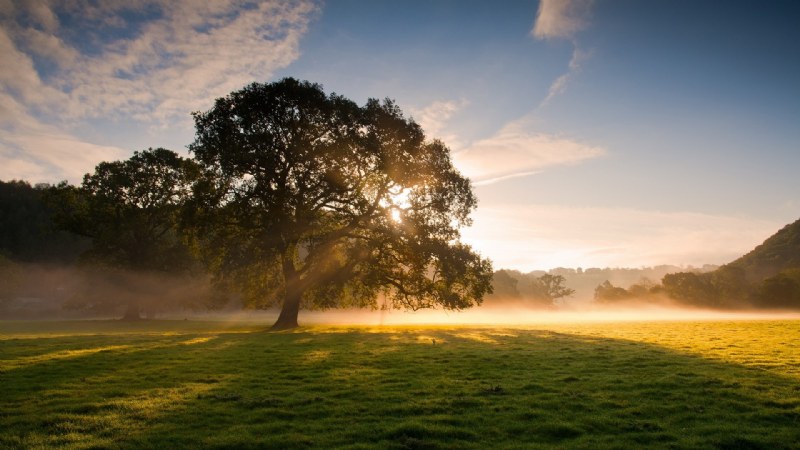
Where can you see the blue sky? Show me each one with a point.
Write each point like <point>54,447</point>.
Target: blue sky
<point>597,133</point>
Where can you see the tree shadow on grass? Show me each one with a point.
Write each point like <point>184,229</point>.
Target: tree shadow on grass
<point>428,388</point>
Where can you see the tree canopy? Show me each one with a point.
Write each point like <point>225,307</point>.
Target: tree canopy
<point>316,200</point>
<point>27,231</point>
<point>548,288</point>
<point>131,211</point>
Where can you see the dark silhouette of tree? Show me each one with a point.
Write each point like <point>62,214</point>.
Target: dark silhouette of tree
<point>504,286</point>
<point>779,291</point>
<point>730,286</point>
<point>318,201</point>
<point>691,288</point>
<point>643,288</point>
<point>608,293</point>
<point>28,232</point>
<point>779,252</point>
<point>548,288</point>
<point>131,212</point>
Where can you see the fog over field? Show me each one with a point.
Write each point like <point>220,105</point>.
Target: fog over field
<point>514,315</point>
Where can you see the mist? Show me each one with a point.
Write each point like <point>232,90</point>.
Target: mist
<point>52,291</point>
<point>511,315</point>
<point>32,291</point>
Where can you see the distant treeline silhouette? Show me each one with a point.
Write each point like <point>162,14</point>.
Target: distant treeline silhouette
<point>767,277</point>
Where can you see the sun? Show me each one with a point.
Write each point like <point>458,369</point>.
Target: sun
<point>397,215</point>
<point>397,202</point>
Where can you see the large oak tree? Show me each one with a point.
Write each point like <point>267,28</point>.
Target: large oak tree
<point>311,199</point>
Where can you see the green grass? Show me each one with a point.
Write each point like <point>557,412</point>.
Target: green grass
<point>170,384</point>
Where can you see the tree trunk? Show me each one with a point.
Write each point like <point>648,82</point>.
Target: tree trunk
<point>289,311</point>
<point>293,293</point>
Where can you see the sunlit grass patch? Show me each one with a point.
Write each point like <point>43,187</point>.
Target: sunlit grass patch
<point>52,356</point>
<point>185,385</point>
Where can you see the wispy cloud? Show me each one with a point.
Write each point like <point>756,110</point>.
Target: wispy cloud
<point>434,119</point>
<point>563,19</point>
<point>35,151</point>
<point>516,150</point>
<point>529,237</point>
<point>150,62</point>
<point>560,84</point>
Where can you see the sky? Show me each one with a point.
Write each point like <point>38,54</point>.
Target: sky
<point>606,133</point>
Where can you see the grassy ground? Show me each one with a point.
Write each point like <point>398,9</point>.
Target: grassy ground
<point>733,384</point>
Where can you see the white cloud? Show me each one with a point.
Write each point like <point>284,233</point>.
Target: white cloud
<point>558,87</point>
<point>529,237</point>
<point>435,117</point>
<point>42,15</point>
<point>183,60</point>
<point>561,18</point>
<point>515,151</point>
<point>560,84</point>
<point>147,62</point>
<point>19,78</point>
<point>34,151</point>
<point>50,47</point>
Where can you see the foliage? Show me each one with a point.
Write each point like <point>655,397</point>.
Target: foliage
<point>645,290</point>
<point>691,288</point>
<point>27,231</point>
<point>726,287</point>
<point>104,384</point>
<point>548,288</point>
<point>131,210</point>
<point>504,286</point>
<point>586,280</point>
<point>779,252</point>
<point>608,293</point>
<point>315,200</point>
<point>779,291</point>
<point>730,286</point>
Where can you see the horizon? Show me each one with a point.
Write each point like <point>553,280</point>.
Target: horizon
<point>596,134</point>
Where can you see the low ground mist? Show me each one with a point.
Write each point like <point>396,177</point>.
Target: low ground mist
<point>490,316</point>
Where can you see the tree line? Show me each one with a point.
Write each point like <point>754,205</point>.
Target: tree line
<point>731,286</point>
<point>725,288</point>
<point>291,197</point>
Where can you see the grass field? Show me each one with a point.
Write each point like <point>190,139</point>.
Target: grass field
<point>173,384</point>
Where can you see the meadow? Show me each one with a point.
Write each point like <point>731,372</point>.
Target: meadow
<point>732,384</point>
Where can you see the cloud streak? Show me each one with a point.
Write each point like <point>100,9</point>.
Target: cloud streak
<point>32,150</point>
<point>529,237</point>
<point>516,151</point>
<point>562,19</point>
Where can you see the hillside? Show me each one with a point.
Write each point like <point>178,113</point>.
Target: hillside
<point>779,252</point>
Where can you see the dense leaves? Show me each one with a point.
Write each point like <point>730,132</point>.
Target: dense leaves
<point>779,291</point>
<point>27,230</point>
<point>779,252</point>
<point>131,210</point>
<point>549,288</point>
<point>330,202</point>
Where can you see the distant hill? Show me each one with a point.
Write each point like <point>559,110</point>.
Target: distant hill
<point>779,252</point>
